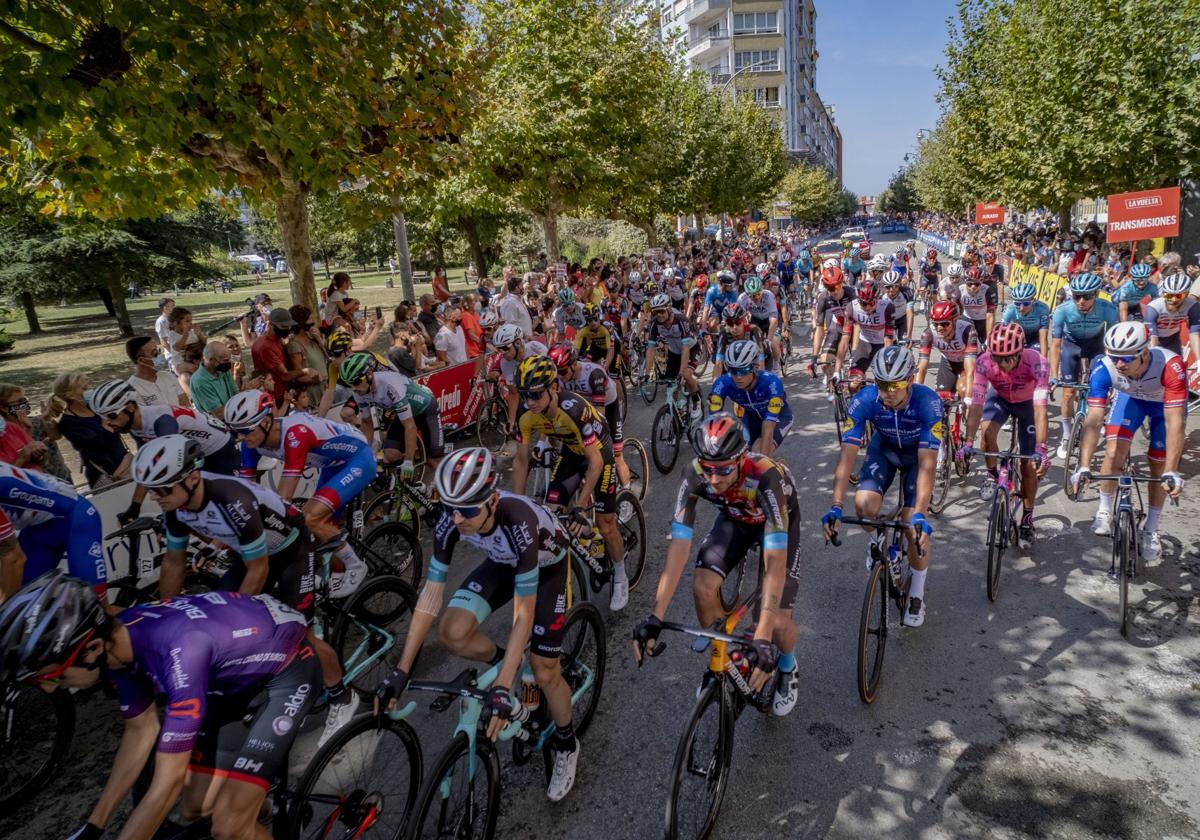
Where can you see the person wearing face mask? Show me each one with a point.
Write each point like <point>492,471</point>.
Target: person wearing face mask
<point>153,386</point>
<point>450,342</point>
<point>212,383</point>
<point>270,355</point>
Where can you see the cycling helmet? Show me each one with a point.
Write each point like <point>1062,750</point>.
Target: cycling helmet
<point>893,363</point>
<point>612,284</point>
<point>741,354</point>
<point>165,461</point>
<point>974,274</point>
<point>943,311</point>
<point>660,301</point>
<point>536,373</point>
<point>1023,292</point>
<point>831,276</point>
<point>1127,338</point>
<point>878,263</point>
<point>566,297</point>
<point>831,263</point>
<point>890,280</point>
<point>901,253</point>
<point>563,355</point>
<point>854,252</point>
<point>45,623</point>
<point>1140,271</point>
<point>591,312</point>
<point>753,286</point>
<point>1172,284</point>
<point>506,335</point>
<point>931,254</point>
<point>1007,340</point>
<point>954,270</point>
<point>246,409</point>
<point>1085,284</point>
<point>701,282</point>
<point>719,437</point>
<point>651,288</point>
<point>338,343</point>
<point>466,477</point>
<point>488,320</point>
<point>355,368</point>
<point>635,277</point>
<point>111,397</point>
<point>726,278</point>
<point>989,255</point>
<point>734,313</point>
<point>762,269</point>
<point>866,293</point>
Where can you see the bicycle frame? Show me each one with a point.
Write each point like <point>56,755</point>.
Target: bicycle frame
<point>362,657</point>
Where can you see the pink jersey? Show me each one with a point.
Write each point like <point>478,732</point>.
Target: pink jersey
<point>1029,380</point>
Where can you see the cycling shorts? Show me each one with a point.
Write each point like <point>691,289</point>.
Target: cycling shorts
<point>675,364</point>
<point>880,466</point>
<point>492,585</point>
<point>338,484</point>
<point>429,428</point>
<point>79,535</point>
<point>763,324</point>
<point>290,576</point>
<point>754,424</point>
<point>997,410</point>
<point>948,374</point>
<point>566,477</point>
<point>225,461</point>
<point>1070,360</point>
<point>1127,416</point>
<point>1171,342</point>
<point>257,751</point>
<point>729,541</point>
<point>833,337</point>
<point>981,330</point>
<point>863,354</point>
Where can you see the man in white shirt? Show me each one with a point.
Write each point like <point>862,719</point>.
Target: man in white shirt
<point>450,342</point>
<point>162,326</point>
<point>153,386</point>
<point>513,310</point>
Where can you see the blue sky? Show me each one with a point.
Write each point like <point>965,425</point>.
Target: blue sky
<point>876,67</point>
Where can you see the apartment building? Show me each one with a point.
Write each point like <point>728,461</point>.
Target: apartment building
<point>764,49</point>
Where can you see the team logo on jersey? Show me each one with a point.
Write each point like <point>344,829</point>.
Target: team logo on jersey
<point>775,405</point>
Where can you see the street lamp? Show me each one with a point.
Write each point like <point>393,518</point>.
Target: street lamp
<point>774,62</point>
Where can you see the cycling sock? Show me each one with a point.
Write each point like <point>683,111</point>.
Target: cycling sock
<point>1027,517</point>
<point>1066,426</point>
<point>916,589</point>
<point>564,738</point>
<point>993,473</point>
<point>1151,523</point>
<point>1106,502</point>
<point>787,661</point>
<point>339,695</point>
<point>495,660</point>
<point>619,572</point>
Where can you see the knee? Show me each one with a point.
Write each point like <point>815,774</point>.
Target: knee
<point>706,584</point>
<point>315,515</point>
<point>453,632</point>
<point>546,671</point>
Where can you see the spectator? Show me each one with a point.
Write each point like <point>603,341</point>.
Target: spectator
<point>306,350</point>
<point>426,318</point>
<point>153,386</point>
<point>213,383</point>
<point>270,356</point>
<point>102,453</point>
<point>486,292</point>
<point>441,286</point>
<point>540,264</point>
<point>451,342</point>
<point>470,326</point>
<point>185,343</point>
<point>162,326</point>
<point>335,300</point>
<point>512,308</point>
<point>26,442</point>
<point>235,355</point>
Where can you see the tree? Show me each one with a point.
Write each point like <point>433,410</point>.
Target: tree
<point>812,193</point>
<point>900,195</point>
<point>134,106</point>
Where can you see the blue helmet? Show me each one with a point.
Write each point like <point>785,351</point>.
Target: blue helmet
<point>1085,284</point>
<point>1140,271</point>
<point>1023,292</point>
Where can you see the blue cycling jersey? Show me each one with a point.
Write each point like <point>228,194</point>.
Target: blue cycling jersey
<point>52,519</point>
<point>763,400</point>
<point>1069,322</point>
<point>917,424</point>
<point>804,265</point>
<point>785,269</point>
<point>1133,297</point>
<point>1032,320</point>
<point>853,266</point>
<point>718,299</point>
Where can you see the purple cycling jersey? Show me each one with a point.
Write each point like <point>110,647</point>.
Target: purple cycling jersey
<point>187,648</point>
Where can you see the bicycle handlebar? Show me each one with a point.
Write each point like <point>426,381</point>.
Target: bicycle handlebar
<point>137,526</point>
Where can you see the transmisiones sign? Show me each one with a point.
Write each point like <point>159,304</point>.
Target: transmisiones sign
<point>1147,214</point>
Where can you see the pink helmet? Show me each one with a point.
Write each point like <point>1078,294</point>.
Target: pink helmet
<point>1007,340</point>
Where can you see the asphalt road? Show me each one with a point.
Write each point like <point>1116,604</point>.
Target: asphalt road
<point>1030,717</point>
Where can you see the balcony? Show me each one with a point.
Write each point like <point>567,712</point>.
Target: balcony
<point>708,46</point>
<point>703,11</point>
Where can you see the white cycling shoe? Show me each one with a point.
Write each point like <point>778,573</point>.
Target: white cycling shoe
<point>346,583</point>
<point>1102,524</point>
<point>339,716</point>
<point>914,616</point>
<point>562,777</point>
<point>1151,546</point>
<point>787,692</point>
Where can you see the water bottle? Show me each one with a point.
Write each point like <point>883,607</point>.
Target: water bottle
<point>894,561</point>
<point>531,694</point>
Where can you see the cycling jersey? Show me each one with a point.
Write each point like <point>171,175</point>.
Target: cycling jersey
<point>1164,323</point>
<point>830,311</point>
<point>749,333</point>
<point>916,424</point>
<point>397,394</point>
<point>765,496</point>
<point>976,305</point>
<point>569,316</point>
<point>239,513</point>
<point>854,267</point>
<point>675,292</point>
<point>1134,297</point>
<point>716,299</point>
<point>1028,380</point>
<point>764,400</point>
<point>1033,320</point>
<point>676,334</point>
<point>594,383</point>
<point>160,420</point>
<point>307,440</point>
<point>763,309</point>
<point>1068,322</point>
<point>614,311</point>
<point>593,341</point>
<point>1164,380</point>
<point>874,324</point>
<point>930,271</point>
<point>963,345</point>
<point>577,425</point>
<point>381,363</point>
<point>786,270</point>
<point>526,537</point>
<point>508,367</point>
<point>51,519</point>
<point>804,266</point>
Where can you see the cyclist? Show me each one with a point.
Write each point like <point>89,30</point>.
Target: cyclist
<point>514,349</point>
<point>1174,315</point>
<point>931,275</point>
<point>636,291</point>
<point>978,301</point>
<point>785,269</point>
<point>51,520</point>
<point>899,261</point>
<point>907,419</point>
<point>210,655</point>
<point>1011,380</point>
<point>806,265</point>
<point>1031,314</point>
<point>955,339</point>
<point>720,294</point>
<point>900,297</point>
<point>759,399</point>
<point>668,327</point>
<point>408,408</point>
<point>1077,333</point>
<point>1135,293</point>
<point>876,268</point>
<point>345,459</point>
<point>1151,385</point>
<point>675,287</point>
<point>829,320</point>
<point>590,381</point>
<point>871,316</point>
<point>595,340</point>
<point>585,458</point>
<point>764,312</point>
<point>736,326</point>
<point>695,301</point>
<point>568,317</point>
<point>523,547</point>
<point>758,505</point>
<point>993,272</point>
<point>853,266</point>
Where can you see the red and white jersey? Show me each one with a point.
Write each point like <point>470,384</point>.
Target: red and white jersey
<point>1164,380</point>
<point>305,439</point>
<point>160,420</point>
<point>874,323</point>
<point>964,343</point>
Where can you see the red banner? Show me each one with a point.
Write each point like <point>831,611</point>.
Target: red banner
<point>1148,214</point>
<point>989,213</point>
<point>458,401</point>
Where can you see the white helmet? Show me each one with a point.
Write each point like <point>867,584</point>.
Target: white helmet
<point>466,477</point>
<point>954,270</point>
<point>741,354</point>
<point>165,461</point>
<point>660,301</point>
<point>246,409</point>
<point>1173,284</point>
<point>832,262</point>
<point>506,336</point>
<point>111,397</point>
<point>635,277</point>
<point>891,279</point>
<point>878,261</point>
<point>1127,338</point>
<point>488,319</point>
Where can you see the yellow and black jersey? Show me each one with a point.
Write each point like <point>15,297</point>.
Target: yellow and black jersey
<point>577,425</point>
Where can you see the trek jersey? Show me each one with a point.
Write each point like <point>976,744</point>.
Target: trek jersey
<point>525,536</point>
<point>1028,380</point>
<point>874,323</point>
<point>764,400</point>
<point>576,426</point>
<point>508,367</point>
<point>765,496</point>
<point>930,271</point>
<point>1069,322</point>
<point>916,424</point>
<point>763,309</point>
<point>675,334</point>
<point>239,513</point>
<point>396,393</point>
<point>978,304</point>
<point>829,311</point>
<point>1164,323</point>
<point>1033,320</point>
<point>160,420</point>
<point>304,440</point>
<point>188,648</point>
<point>1164,380</point>
<point>593,383</point>
<point>964,344</point>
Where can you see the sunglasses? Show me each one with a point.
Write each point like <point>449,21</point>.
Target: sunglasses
<point>1123,360</point>
<point>1084,297</point>
<point>971,283</point>
<point>113,415</point>
<point>56,674</point>
<point>531,396</point>
<point>466,512</point>
<point>891,387</point>
<point>940,324</point>
<point>162,492</point>
<point>1174,298</point>
<point>1023,303</point>
<point>746,371</point>
<point>721,470</point>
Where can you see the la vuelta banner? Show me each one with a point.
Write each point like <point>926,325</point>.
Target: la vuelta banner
<point>457,398</point>
<point>989,213</point>
<point>1148,214</point>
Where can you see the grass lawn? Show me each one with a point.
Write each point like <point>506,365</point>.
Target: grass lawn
<point>82,337</point>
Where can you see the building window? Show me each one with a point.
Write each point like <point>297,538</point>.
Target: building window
<point>756,23</point>
<point>767,97</point>
<point>765,59</point>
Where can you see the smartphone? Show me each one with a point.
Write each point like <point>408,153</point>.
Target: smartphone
<point>378,313</point>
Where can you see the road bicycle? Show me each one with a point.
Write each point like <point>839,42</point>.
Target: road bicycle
<point>954,411</point>
<point>1007,507</point>
<point>1071,462</point>
<point>589,572</point>
<point>840,389</point>
<point>639,466</point>
<point>648,378</point>
<point>671,424</point>
<point>460,797</point>
<point>491,426</point>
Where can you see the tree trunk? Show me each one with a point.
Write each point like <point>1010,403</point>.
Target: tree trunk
<point>651,233</point>
<point>35,326</point>
<point>107,300</point>
<point>325,260</point>
<point>400,232</point>
<point>550,230</point>
<point>1064,220</point>
<point>291,213</point>
<point>117,289</point>
<point>475,247</point>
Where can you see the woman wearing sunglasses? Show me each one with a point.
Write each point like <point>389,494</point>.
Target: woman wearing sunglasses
<point>1174,315</point>
<point>1076,337</point>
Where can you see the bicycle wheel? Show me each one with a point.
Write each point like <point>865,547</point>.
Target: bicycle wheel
<point>491,427</point>
<point>391,548</point>
<point>872,633</point>
<point>997,541</point>
<point>584,649</point>
<point>841,416</point>
<point>731,587</point>
<point>1125,554</point>
<point>453,803</point>
<point>941,478</point>
<point>639,466</point>
<point>578,576</point>
<point>363,783</point>
<point>369,633</point>
<point>1071,462</point>
<point>384,508</point>
<point>36,730</point>
<point>664,440</point>
<point>700,358</point>
<point>648,388</point>
<point>700,774</point>
<point>631,521</point>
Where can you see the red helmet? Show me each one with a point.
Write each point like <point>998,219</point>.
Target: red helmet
<point>865,293</point>
<point>831,276</point>
<point>702,281</point>
<point>931,254</point>
<point>943,310</point>
<point>1007,340</point>
<point>974,273</point>
<point>989,255</point>
<point>563,355</point>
